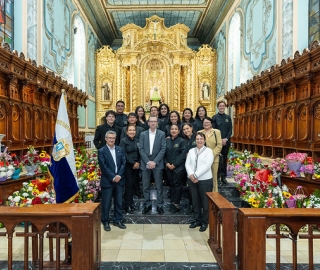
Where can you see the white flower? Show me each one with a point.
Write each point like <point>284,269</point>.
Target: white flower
<point>85,182</point>
<point>25,183</point>
<point>30,188</point>
<point>2,169</point>
<point>25,194</point>
<point>10,198</point>
<point>17,199</point>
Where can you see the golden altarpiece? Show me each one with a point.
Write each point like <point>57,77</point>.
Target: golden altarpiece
<point>153,66</point>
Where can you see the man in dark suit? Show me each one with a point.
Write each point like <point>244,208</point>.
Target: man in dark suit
<point>112,162</point>
<point>99,136</point>
<point>152,147</point>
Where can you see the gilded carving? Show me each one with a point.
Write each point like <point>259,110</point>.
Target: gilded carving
<point>154,65</point>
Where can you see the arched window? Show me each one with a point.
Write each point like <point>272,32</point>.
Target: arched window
<point>314,20</point>
<point>6,22</point>
<point>234,61</point>
<point>79,45</point>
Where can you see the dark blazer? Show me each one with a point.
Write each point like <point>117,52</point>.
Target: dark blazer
<point>223,122</point>
<point>107,166</point>
<point>158,151</point>
<point>99,136</point>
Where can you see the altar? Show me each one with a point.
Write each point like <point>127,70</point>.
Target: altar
<point>154,65</point>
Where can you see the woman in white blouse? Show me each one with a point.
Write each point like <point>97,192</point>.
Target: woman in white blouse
<point>198,166</point>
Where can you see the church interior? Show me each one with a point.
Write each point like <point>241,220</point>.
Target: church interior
<point>262,57</point>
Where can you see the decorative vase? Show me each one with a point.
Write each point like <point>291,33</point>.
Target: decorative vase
<point>295,167</point>
<point>291,203</point>
<point>3,178</point>
<point>308,176</point>
<point>31,169</point>
<point>16,174</point>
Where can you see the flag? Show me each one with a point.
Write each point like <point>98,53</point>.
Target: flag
<point>63,167</point>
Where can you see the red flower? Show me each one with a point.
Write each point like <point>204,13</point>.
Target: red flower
<point>293,174</point>
<point>36,200</point>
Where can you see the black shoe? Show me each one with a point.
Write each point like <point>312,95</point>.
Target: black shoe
<point>160,210</point>
<point>106,227</point>
<point>129,210</point>
<point>145,210</point>
<point>203,228</point>
<point>119,225</point>
<point>194,225</point>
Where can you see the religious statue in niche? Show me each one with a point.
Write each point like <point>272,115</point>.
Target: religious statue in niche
<point>155,79</point>
<point>106,90</point>
<point>205,90</point>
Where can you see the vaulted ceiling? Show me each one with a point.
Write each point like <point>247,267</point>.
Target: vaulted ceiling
<point>203,17</point>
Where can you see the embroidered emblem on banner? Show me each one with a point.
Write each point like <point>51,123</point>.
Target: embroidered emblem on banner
<point>60,150</point>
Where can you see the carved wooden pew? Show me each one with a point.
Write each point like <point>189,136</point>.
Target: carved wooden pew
<point>59,221</point>
<point>222,230</point>
<point>252,232</point>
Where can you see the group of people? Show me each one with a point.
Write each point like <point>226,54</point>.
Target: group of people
<point>185,148</point>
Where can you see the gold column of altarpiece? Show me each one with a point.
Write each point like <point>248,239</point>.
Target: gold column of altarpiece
<point>153,66</point>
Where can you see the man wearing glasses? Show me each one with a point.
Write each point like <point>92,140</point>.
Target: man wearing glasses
<point>112,163</point>
<point>152,147</point>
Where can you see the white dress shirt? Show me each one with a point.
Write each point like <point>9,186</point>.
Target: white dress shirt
<point>113,154</point>
<point>152,136</point>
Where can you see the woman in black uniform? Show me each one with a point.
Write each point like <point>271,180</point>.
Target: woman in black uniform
<point>174,160</point>
<point>130,147</point>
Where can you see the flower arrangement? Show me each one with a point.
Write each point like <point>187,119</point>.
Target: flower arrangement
<point>279,165</point>
<point>45,161</point>
<point>307,166</point>
<point>88,173</point>
<point>16,162</point>
<point>31,157</point>
<point>6,167</point>
<point>316,170</point>
<point>29,195</point>
<point>147,107</point>
<point>314,199</point>
<point>296,157</point>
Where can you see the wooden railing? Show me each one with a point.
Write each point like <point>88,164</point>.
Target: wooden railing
<point>252,234</point>
<point>222,230</point>
<point>81,222</point>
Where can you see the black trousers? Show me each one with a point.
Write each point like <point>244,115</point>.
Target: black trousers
<point>222,172</point>
<point>175,185</point>
<point>200,200</point>
<point>131,176</point>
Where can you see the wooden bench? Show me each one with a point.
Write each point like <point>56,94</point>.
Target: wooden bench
<point>82,222</point>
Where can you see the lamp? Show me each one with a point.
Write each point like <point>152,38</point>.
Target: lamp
<point>1,137</point>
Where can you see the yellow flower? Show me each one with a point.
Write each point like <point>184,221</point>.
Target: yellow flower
<point>255,203</point>
<point>248,165</point>
<point>287,195</point>
<point>270,178</point>
<point>42,155</point>
<point>90,195</point>
<point>78,164</point>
